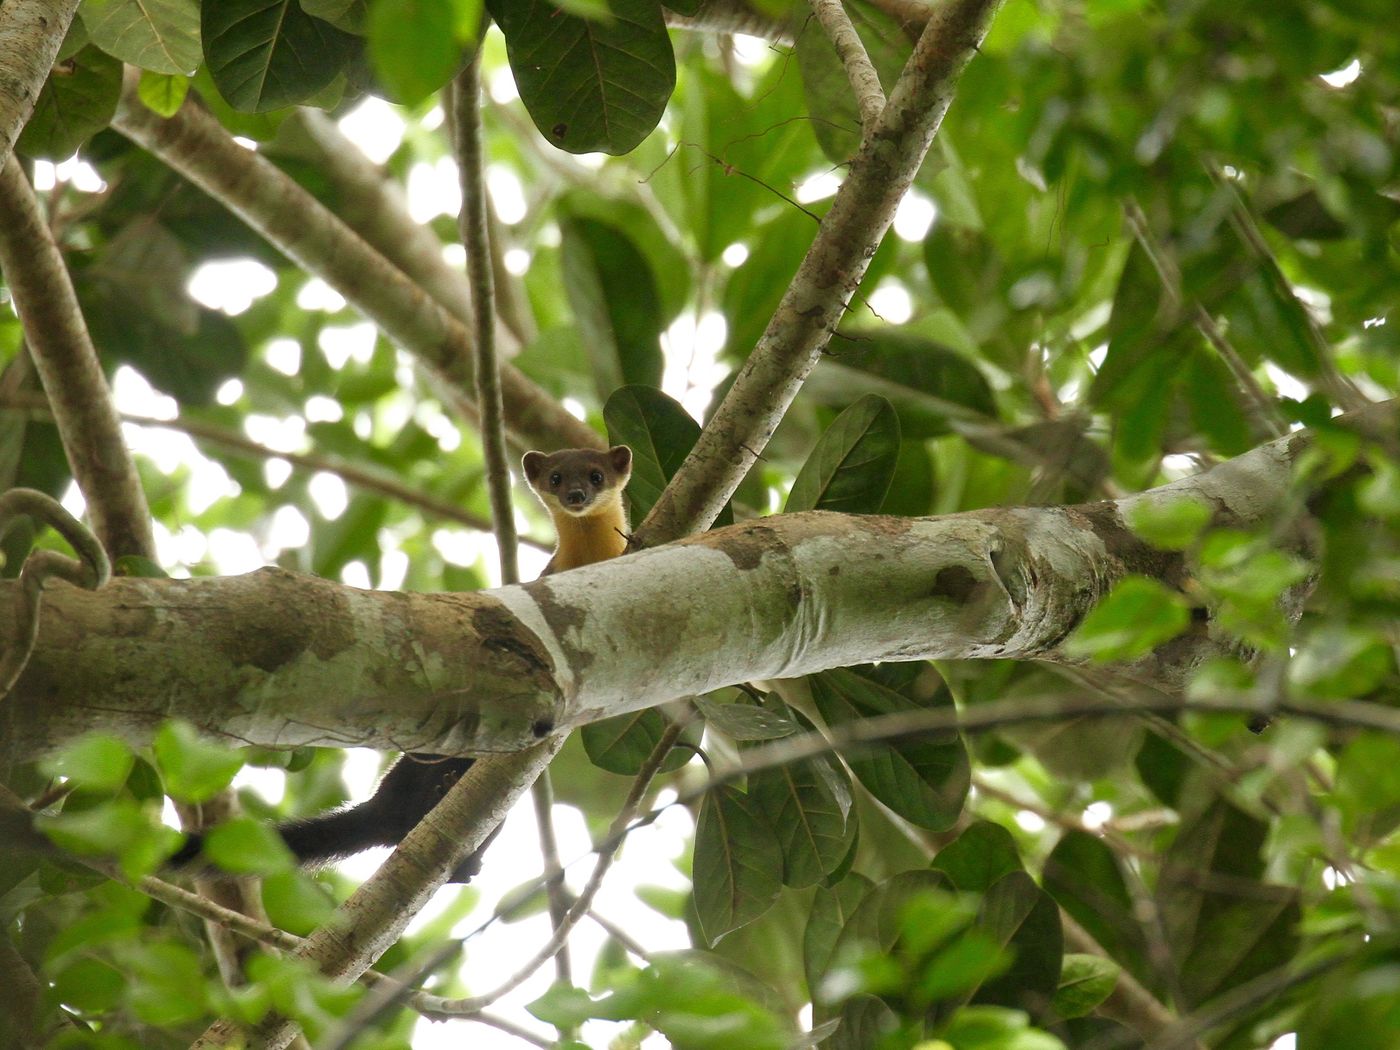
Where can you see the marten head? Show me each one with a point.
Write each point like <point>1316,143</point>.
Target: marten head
<point>579,481</point>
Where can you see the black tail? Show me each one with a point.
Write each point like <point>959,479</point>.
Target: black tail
<point>411,788</point>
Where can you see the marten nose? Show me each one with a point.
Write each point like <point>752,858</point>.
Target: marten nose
<point>576,497</point>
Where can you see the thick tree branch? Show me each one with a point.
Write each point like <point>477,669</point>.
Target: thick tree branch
<point>816,299</point>
<point>196,145</point>
<point>282,660</point>
<point>67,364</point>
<point>31,32</point>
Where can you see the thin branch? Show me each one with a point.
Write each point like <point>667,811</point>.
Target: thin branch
<point>607,852</point>
<point>1129,1002</point>
<point>31,32</point>
<point>1338,386</point>
<point>377,913</point>
<point>373,205</point>
<point>475,230</point>
<point>476,238</point>
<point>865,82</point>
<point>291,219</point>
<point>67,364</point>
<point>368,480</point>
<point>831,271</point>
<point>1266,410</point>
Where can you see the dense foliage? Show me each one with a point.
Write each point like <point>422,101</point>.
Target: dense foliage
<point>1162,234</point>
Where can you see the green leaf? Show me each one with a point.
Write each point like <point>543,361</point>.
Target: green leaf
<point>1085,981</point>
<point>621,744</point>
<point>159,36</point>
<point>415,46</point>
<point>162,94</point>
<point>248,847</point>
<point>738,863</point>
<point>294,901</point>
<point>76,102</point>
<point>852,465</point>
<point>120,827</point>
<point>745,722</point>
<point>167,986</point>
<point>1135,355</point>
<point>589,86</point>
<point>1341,660</point>
<point>1024,918</point>
<point>1138,615</point>
<point>90,985</point>
<point>924,780</point>
<point>349,15</point>
<point>1172,525</point>
<point>266,54</point>
<point>661,434</point>
<point>1368,786</point>
<point>808,803</point>
<point>928,383</point>
<point>1224,926</point>
<point>832,908</point>
<point>194,770</point>
<point>614,298</point>
<point>978,857</point>
<point>1085,878</point>
<point>98,762</point>
<point>994,1028</point>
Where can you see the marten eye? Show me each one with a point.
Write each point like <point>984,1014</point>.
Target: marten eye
<point>597,478</point>
<point>555,479</point>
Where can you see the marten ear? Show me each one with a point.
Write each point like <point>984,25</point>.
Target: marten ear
<point>621,458</point>
<point>533,464</point>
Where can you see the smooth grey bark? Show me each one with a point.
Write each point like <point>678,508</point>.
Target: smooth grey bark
<point>281,660</point>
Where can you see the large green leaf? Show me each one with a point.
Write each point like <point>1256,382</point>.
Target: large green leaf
<point>831,910</point>
<point>738,863</point>
<point>808,803</point>
<point>590,86</point>
<point>266,54</point>
<point>661,434</point>
<point>1223,924</point>
<point>415,46</point>
<point>77,101</point>
<point>159,35</point>
<point>614,298</point>
<point>982,854</point>
<point>621,744</point>
<point>852,465</point>
<point>924,780</point>
<point>1084,876</point>
<point>1024,918</point>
